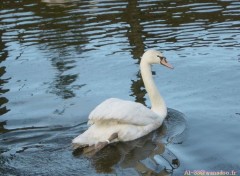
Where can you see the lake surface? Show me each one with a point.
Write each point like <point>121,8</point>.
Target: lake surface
<point>60,58</point>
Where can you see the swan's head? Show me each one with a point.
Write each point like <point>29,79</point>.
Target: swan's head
<point>155,57</point>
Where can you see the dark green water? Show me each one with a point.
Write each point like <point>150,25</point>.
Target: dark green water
<point>60,58</point>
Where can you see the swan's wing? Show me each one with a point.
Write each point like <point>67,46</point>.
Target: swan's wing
<point>122,111</point>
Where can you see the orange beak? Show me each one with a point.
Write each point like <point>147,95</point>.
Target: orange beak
<point>165,63</point>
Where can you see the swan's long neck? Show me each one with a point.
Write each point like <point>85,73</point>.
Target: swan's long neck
<point>157,102</point>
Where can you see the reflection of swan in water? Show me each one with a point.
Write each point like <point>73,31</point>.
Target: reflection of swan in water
<point>119,120</point>
<point>146,155</point>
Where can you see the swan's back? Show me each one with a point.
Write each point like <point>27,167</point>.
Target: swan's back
<point>124,112</point>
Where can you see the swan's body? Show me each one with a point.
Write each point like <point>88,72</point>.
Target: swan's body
<point>129,120</point>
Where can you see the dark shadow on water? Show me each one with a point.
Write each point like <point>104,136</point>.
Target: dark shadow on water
<point>3,57</point>
<point>147,155</point>
<point>2,128</point>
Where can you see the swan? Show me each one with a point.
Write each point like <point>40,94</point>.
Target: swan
<point>119,120</point>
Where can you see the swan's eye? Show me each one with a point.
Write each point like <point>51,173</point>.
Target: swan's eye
<point>162,58</point>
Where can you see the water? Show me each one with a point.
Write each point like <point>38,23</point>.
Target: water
<point>59,59</point>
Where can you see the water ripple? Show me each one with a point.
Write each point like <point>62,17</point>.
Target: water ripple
<point>89,22</point>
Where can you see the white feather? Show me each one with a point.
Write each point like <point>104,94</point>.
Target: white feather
<point>123,112</point>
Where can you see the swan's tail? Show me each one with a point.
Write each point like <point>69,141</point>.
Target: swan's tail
<point>78,146</point>
<point>93,135</point>
<point>83,140</point>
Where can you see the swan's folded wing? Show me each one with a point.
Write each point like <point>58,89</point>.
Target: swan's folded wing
<point>122,111</point>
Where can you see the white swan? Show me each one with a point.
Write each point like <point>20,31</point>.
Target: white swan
<point>119,120</point>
